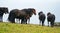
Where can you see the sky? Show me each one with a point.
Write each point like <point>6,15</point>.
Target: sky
<point>46,6</point>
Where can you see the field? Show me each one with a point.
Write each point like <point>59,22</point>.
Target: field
<point>26,28</point>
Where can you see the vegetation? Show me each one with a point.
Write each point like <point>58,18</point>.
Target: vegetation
<point>26,28</point>
<point>57,23</point>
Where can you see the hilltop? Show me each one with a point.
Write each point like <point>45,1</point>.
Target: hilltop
<point>26,28</point>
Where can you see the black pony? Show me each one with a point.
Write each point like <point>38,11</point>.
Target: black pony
<point>2,11</point>
<point>42,17</point>
<point>12,15</point>
<point>51,19</point>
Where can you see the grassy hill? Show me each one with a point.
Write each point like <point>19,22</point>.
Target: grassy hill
<point>26,28</point>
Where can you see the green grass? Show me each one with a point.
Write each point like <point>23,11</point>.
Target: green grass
<point>26,28</point>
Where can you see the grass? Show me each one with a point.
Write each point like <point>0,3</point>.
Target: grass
<point>26,28</point>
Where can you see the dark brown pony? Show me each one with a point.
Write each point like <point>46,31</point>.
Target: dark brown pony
<point>51,19</point>
<point>42,17</point>
<point>29,12</point>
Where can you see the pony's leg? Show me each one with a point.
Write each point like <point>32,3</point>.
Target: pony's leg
<point>1,19</point>
<point>25,21</point>
<point>52,24</point>
<point>29,21</point>
<point>42,23</point>
<point>21,21</point>
<point>13,20</point>
<point>48,24</point>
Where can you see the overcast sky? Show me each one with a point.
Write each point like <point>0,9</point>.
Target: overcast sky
<point>46,6</point>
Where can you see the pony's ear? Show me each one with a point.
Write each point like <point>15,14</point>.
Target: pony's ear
<point>48,13</point>
<point>38,13</point>
<point>6,10</point>
<point>34,11</point>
